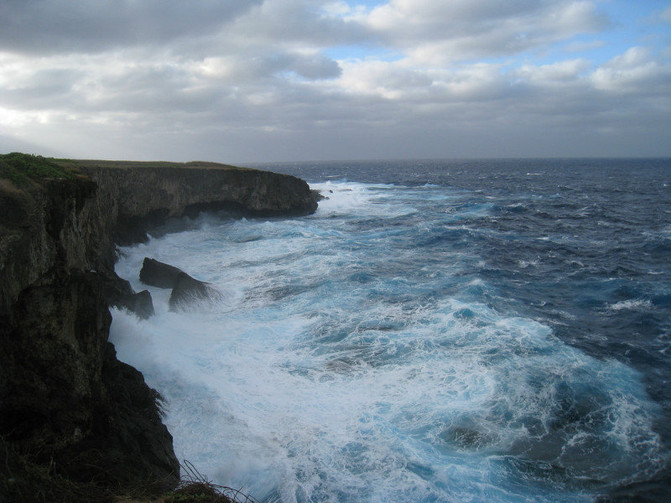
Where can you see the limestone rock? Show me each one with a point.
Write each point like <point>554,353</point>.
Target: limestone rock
<point>158,274</point>
<point>56,390</point>
<point>120,294</point>
<point>138,196</point>
<point>187,291</point>
<point>141,304</point>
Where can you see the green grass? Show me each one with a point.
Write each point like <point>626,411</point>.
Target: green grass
<point>93,163</point>
<point>19,168</point>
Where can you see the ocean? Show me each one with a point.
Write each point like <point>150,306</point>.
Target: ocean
<point>438,331</point>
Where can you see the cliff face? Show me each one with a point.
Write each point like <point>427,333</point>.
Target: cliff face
<point>50,312</point>
<point>65,400</point>
<point>141,194</point>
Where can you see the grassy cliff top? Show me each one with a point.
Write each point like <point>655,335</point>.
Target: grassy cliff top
<point>91,163</point>
<point>20,168</point>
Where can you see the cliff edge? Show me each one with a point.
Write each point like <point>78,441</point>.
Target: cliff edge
<point>141,194</point>
<point>70,412</point>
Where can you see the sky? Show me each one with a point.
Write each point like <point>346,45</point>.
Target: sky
<point>242,81</point>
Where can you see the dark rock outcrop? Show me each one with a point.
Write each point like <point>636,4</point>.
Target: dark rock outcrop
<point>137,407</point>
<point>185,289</point>
<point>139,196</point>
<point>120,294</point>
<point>141,304</point>
<point>158,274</point>
<point>188,291</point>
<point>66,403</point>
<point>61,389</point>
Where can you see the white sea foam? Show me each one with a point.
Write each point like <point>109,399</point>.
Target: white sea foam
<point>342,198</point>
<point>631,304</point>
<point>336,370</point>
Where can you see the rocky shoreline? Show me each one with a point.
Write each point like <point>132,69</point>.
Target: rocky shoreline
<point>68,407</point>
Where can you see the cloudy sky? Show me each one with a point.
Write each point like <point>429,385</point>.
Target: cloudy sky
<point>276,80</point>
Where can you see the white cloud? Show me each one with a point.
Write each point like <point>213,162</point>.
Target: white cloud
<point>438,31</point>
<point>583,46</point>
<point>560,73</point>
<point>635,71</point>
<point>259,80</point>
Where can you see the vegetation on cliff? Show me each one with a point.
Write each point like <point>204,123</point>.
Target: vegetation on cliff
<point>107,164</point>
<point>18,168</point>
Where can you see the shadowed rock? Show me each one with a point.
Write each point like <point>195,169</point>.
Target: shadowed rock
<point>120,294</point>
<point>185,289</point>
<point>155,273</point>
<point>141,304</point>
<point>188,290</point>
<point>67,405</point>
<point>140,196</point>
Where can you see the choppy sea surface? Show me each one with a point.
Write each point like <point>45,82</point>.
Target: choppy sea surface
<point>438,331</point>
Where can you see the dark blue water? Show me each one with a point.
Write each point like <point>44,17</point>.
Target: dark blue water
<point>582,246</point>
<point>484,331</point>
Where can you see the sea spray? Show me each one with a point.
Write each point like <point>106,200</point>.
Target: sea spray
<point>367,353</point>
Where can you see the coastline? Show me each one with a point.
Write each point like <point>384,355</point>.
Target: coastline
<point>69,408</point>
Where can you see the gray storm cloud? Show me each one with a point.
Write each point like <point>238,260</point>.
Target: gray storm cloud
<point>290,79</point>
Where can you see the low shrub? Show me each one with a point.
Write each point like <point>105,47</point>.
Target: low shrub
<point>19,168</point>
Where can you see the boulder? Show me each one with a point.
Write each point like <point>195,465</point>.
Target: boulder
<point>185,289</point>
<point>120,294</point>
<point>188,290</point>
<point>158,274</point>
<point>141,304</point>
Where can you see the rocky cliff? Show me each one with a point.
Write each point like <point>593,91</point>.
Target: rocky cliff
<point>67,405</point>
<point>140,194</point>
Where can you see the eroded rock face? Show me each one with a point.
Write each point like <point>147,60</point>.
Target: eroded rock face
<point>66,402</point>
<point>63,395</point>
<point>51,361</point>
<point>136,406</point>
<point>142,195</point>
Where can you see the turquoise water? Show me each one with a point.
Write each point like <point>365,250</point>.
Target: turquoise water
<point>444,331</point>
